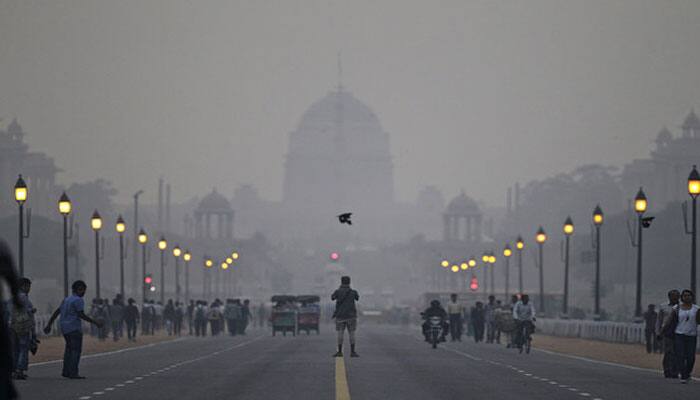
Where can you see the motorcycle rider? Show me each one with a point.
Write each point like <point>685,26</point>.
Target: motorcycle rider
<point>524,315</point>
<point>435,310</point>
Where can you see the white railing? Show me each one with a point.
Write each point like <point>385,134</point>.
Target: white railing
<point>616,332</point>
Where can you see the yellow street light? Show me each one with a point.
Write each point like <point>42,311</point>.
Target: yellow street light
<point>187,256</point>
<point>598,215</point>
<point>492,259</point>
<point>224,266</point>
<point>120,226</point>
<point>64,205</point>
<point>464,266</point>
<point>640,202</point>
<point>485,258</point>
<point>143,238</point>
<point>519,244</point>
<point>229,260</point>
<point>21,191</point>
<point>96,221</point>
<point>208,263</point>
<point>568,226</point>
<point>177,252</point>
<point>472,262</point>
<point>235,255</point>
<point>694,182</point>
<point>162,243</point>
<point>445,263</point>
<point>541,236</point>
<point>507,252</point>
<point>455,268</point>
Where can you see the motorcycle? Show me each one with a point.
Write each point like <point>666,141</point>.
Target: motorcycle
<point>435,330</point>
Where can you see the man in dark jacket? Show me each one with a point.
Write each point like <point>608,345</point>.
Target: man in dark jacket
<point>435,310</point>
<point>478,318</point>
<point>345,314</point>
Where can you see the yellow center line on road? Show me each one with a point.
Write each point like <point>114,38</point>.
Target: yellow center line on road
<point>342,391</point>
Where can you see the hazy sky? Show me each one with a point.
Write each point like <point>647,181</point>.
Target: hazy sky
<point>475,94</point>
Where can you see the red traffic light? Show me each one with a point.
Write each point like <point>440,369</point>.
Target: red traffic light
<point>474,285</point>
<point>335,256</point>
<point>148,280</point>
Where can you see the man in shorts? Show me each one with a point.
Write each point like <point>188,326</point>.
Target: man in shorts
<point>345,314</point>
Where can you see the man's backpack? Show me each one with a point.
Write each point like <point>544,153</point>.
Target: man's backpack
<point>21,321</point>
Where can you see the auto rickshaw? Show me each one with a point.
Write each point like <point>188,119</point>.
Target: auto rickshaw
<point>284,315</point>
<point>309,313</point>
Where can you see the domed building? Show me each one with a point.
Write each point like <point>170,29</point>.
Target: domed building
<point>462,220</point>
<point>338,158</point>
<point>214,217</point>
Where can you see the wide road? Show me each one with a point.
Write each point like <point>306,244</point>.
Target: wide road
<point>394,364</point>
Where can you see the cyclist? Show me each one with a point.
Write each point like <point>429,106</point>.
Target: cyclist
<point>524,315</point>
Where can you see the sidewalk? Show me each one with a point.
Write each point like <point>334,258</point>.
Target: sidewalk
<point>51,348</point>
<point>627,354</point>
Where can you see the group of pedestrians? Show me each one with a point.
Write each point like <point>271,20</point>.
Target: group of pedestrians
<point>676,329</point>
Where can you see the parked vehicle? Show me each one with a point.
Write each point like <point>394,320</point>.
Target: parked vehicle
<point>283,317</point>
<point>309,313</point>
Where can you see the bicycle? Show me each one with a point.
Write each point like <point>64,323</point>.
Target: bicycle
<point>525,329</point>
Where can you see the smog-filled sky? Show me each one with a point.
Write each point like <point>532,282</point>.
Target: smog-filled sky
<point>475,94</point>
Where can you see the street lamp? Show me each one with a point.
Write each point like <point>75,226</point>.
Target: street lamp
<point>598,218</point>
<point>65,208</point>
<point>485,259</point>
<point>235,255</point>
<point>492,277</point>
<point>177,252</point>
<point>208,263</point>
<point>162,245</point>
<point>445,263</point>
<point>507,252</point>
<point>520,245</point>
<point>143,239</point>
<point>187,256</point>
<point>568,231</point>
<point>21,194</point>
<point>229,261</point>
<point>472,262</point>
<point>120,227</point>
<point>96,224</point>
<point>541,238</point>
<point>693,191</point>
<point>640,207</point>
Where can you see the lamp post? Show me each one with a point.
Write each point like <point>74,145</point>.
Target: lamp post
<point>568,231</point>
<point>64,208</point>
<point>597,222</point>
<point>162,245</point>
<point>693,191</point>
<point>143,239</point>
<point>135,239</point>
<point>96,224</point>
<point>208,263</point>
<point>640,206</point>
<point>177,252</point>
<point>226,283</point>
<point>507,252</point>
<point>492,278</point>
<point>120,227</point>
<point>21,194</point>
<point>541,238</point>
<point>485,259</point>
<point>187,256</point>
<point>520,245</point>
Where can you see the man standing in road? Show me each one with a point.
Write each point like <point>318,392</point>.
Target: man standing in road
<point>455,310</point>
<point>345,314</point>
<point>490,317</point>
<point>650,317</point>
<point>667,338</point>
<point>72,310</point>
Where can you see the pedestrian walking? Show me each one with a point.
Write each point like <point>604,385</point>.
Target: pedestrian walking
<point>455,311</point>
<point>345,314</point>
<point>490,319</point>
<point>72,310</point>
<point>23,330</point>
<point>478,320</point>
<point>215,318</point>
<point>169,316</point>
<point>102,317</point>
<point>232,314</point>
<point>190,317</point>
<point>179,318</point>
<point>116,312</point>
<point>9,276</point>
<point>666,335</point>
<point>131,318</point>
<point>650,317</point>
<point>245,317</point>
<point>200,319</point>
<point>685,319</point>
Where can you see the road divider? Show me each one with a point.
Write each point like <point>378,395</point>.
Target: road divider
<point>342,391</point>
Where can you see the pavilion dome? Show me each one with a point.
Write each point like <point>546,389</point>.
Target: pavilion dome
<point>691,121</point>
<point>463,205</point>
<point>664,137</point>
<point>338,106</point>
<point>214,202</point>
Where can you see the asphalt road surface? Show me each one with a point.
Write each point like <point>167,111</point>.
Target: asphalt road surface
<point>394,364</point>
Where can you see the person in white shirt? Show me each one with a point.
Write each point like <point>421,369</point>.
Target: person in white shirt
<point>455,311</point>
<point>688,318</point>
<point>524,315</point>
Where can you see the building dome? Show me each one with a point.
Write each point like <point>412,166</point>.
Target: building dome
<point>664,137</point>
<point>214,202</point>
<point>338,106</point>
<point>14,128</point>
<point>463,205</point>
